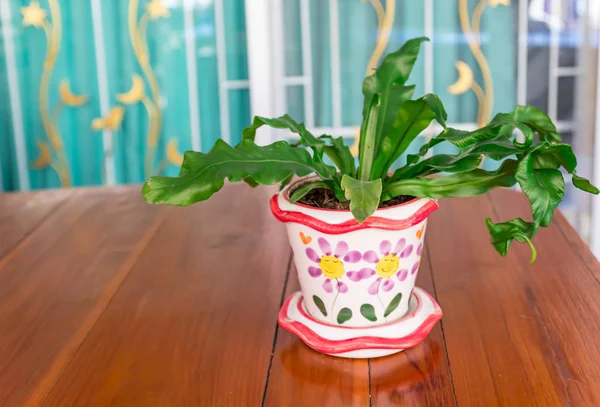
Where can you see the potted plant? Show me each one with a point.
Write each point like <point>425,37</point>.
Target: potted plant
<point>357,231</point>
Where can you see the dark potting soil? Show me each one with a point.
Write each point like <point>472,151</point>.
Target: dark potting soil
<point>325,198</point>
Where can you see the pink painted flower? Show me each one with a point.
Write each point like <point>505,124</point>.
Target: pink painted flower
<point>387,264</point>
<point>331,264</point>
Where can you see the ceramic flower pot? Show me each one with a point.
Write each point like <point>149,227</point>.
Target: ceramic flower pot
<point>351,274</point>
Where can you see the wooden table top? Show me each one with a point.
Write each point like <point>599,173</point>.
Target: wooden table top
<point>107,301</point>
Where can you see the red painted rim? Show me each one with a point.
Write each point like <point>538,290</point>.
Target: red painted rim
<point>329,346</point>
<point>372,222</point>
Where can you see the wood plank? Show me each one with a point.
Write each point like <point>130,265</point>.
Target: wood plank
<point>301,376</point>
<point>505,335</point>
<point>55,285</point>
<point>21,213</point>
<point>419,376</point>
<point>562,292</point>
<point>194,323</point>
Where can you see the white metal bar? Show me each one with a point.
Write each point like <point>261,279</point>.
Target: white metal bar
<point>429,31</point>
<point>595,238</point>
<point>15,95</point>
<point>334,37</point>
<point>562,71</point>
<point>192,74</point>
<point>237,84</point>
<point>294,81</point>
<point>260,57</point>
<point>555,22</point>
<point>100,51</point>
<point>522,52</point>
<point>222,70</point>
<point>278,38</point>
<point>309,106</point>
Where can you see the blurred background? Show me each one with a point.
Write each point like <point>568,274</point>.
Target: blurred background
<point>105,92</point>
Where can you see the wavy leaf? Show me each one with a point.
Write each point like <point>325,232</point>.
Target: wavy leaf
<point>368,139</point>
<point>538,121</point>
<point>202,174</point>
<point>584,185</point>
<point>340,154</point>
<point>300,192</point>
<point>413,117</point>
<point>504,233</point>
<point>363,196</point>
<point>465,184</point>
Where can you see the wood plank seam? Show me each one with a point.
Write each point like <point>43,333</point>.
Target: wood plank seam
<point>369,375</point>
<point>29,235</point>
<point>72,346</point>
<point>285,283</point>
<point>435,294</point>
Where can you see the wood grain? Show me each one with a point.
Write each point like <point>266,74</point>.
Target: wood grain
<point>193,324</point>
<point>301,376</point>
<point>21,213</point>
<point>419,376</point>
<point>502,348</point>
<point>54,281</point>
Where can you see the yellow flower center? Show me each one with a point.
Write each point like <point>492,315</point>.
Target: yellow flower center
<point>332,267</point>
<point>387,266</point>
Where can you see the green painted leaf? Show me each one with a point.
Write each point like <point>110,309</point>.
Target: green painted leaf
<point>320,305</point>
<point>393,304</point>
<point>301,191</point>
<point>413,117</point>
<point>202,174</point>
<point>344,315</point>
<point>368,311</point>
<point>544,187</point>
<point>505,232</point>
<point>464,184</point>
<point>363,196</point>
<point>584,185</point>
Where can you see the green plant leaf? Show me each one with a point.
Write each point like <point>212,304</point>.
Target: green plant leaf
<point>497,128</point>
<point>554,156</point>
<point>340,154</point>
<point>413,117</point>
<point>466,160</point>
<point>344,315</point>
<point>584,185</point>
<point>202,174</point>
<point>464,184</point>
<point>320,305</point>
<point>300,192</point>
<point>363,196</point>
<point>544,187</point>
<point>502,234</point>
<point>538,121</point>
<point>368,137</point>
<point>389,80</point>
<point>368,311</point>
<point>393,304</point>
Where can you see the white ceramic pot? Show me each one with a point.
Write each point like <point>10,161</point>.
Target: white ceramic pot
<point>351,274</point>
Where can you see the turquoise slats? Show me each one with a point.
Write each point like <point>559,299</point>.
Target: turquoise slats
<point>170,59</point>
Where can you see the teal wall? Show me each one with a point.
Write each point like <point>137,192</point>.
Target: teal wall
<point>166,45</point>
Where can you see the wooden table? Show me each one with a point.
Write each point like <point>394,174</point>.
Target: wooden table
<point>107,301</point>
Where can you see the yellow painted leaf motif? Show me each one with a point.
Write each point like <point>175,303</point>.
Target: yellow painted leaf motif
<point>464,81</point>
<point>68,97</point>
<point>157,10</point>
<point>33,15</point>
<point>45,158</point>
<point>135,93</point>
<point>173,155</point>
<point>112,121</point>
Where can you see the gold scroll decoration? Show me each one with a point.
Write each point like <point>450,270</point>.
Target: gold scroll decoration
<point>465,81</point>
<point>155,10</point>
<point>51,151</point>
<point>385,23</point>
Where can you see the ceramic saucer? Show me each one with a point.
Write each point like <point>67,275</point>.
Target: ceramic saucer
<point>359,342</point>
